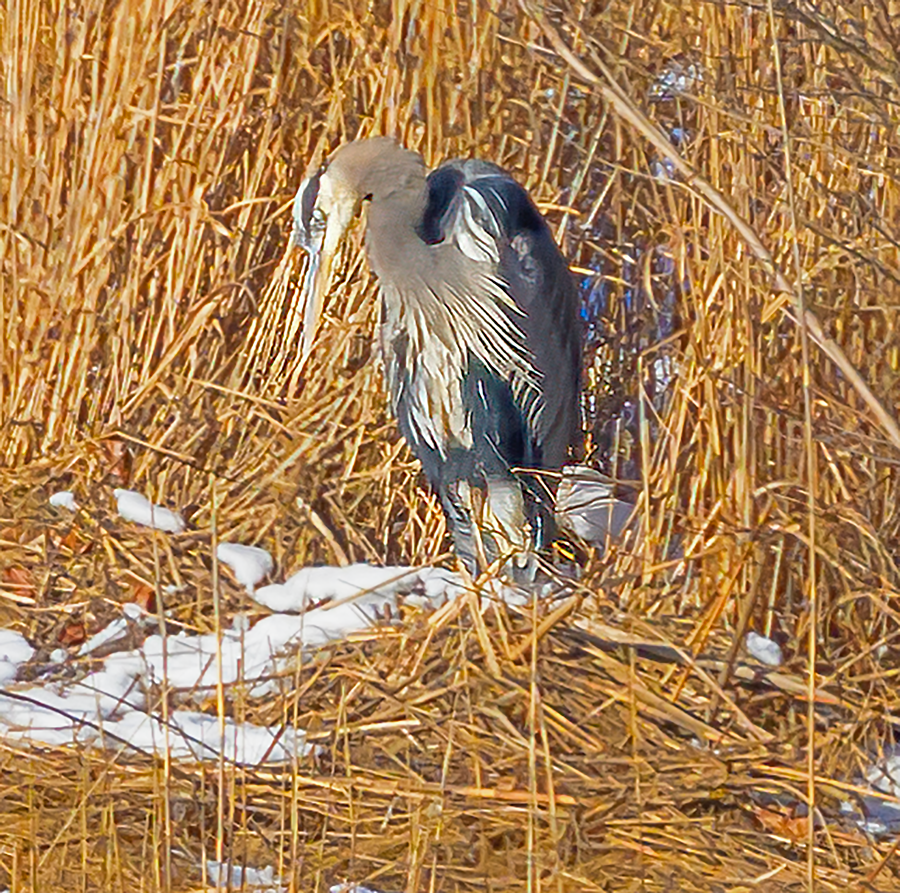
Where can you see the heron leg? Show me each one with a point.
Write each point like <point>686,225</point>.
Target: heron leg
<point>490,521</point>
<point>505,521</point>
<point>503,515</point>
<point>456,500</point>
<point>490,525</point>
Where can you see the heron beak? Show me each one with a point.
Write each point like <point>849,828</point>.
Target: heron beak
<point>315,286</point>
<point>321,217</point>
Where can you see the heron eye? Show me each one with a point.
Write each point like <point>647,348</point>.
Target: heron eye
<point>317,220</point>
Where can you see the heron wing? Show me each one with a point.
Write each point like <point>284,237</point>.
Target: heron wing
<point>527,330</point>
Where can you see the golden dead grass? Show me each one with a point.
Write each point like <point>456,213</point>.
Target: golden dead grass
<point>147,154</point>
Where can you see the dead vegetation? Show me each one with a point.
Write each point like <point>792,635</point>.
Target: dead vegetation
<point>147,155</point>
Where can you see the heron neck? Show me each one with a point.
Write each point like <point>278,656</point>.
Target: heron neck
<point>391,233</point>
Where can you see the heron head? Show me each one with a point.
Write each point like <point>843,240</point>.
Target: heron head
<point>324,208</point>
<point>328,200</point>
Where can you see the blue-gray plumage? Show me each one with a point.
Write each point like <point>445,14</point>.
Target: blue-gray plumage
<point>480,331</point>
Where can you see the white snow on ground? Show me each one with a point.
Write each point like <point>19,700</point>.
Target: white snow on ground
<point>14,650</point>
<point>676,79</point>
<point>200,736</point>
<point>874,815</point>
<point>107,634</point>
<point>64,499</point>
<point>885,776</point>
<point>133,614</point>
<point>260,880</point>
<point>586,505</point>
<point>136,507</point>
<point>249,563</point>
<point>764,650</point>
<point>350,888</point>
<point>361,582</point>
<point>108,706</point>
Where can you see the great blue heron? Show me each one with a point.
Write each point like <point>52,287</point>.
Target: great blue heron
<point>480,331</point>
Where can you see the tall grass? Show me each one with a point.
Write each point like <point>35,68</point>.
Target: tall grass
<point>148,152</point>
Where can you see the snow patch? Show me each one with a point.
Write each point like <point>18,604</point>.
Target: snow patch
<point>108,707</point>
<point>764,650</point>
<point>363,583</point>
<point>249,563</point>
<point>201,736</point>
<point>350,888</point>
<point>65,499</point>
<point>263,880</point>
<point>136,507</point>
<point>14,650</point>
